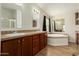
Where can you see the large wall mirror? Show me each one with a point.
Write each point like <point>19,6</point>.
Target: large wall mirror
<point>8,18</point>
<point>58,25</point>
<point>10,15</point>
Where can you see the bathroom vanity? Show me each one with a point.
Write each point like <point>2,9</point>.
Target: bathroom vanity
<point>27,44</point>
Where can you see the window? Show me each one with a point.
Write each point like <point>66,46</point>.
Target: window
<point>47,24</point>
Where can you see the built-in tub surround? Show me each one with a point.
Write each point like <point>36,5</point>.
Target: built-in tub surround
<point>57,39</point>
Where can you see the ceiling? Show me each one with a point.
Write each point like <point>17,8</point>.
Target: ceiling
<point>54,9</point>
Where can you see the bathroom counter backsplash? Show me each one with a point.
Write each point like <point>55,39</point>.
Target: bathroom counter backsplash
<point>18,31</point>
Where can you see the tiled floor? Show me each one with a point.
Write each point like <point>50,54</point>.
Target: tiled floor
<point>60,50</point>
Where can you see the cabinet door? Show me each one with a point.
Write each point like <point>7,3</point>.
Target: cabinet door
<point>77,38</point>
<point>35,44</point>
<point>19,47</point>
<point>45,37</point>
<point>9,47</point>
<point>27,46</point>
<point>41,41</point>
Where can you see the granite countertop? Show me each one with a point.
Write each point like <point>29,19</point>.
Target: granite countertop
<point>19,35</point>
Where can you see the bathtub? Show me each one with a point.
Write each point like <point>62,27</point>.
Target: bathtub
<point>57,39</point>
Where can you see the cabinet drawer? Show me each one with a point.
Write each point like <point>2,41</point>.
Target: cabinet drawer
<point>41,38</point>
<point>41,35</point>
<point>35,37</point>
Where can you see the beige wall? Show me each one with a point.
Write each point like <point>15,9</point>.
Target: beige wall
<point>69,17</point>
<point>26,10</point>
<point>67,12</point>
<point>70,26</point>
<point>26,16</point>
<point>0,16</point>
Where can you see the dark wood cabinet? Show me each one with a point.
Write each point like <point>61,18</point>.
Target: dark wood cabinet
<point>43,40</point>
<point>19,47</point>
<point>77,40</point>
<point>24,46</point>
<point>27,46</point>
<point>35,44</point>
<point>9,47</point>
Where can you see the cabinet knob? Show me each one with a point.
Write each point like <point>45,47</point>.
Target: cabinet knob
<point>45,34</point>
<point>23,40</point>
<point>18,41</point>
